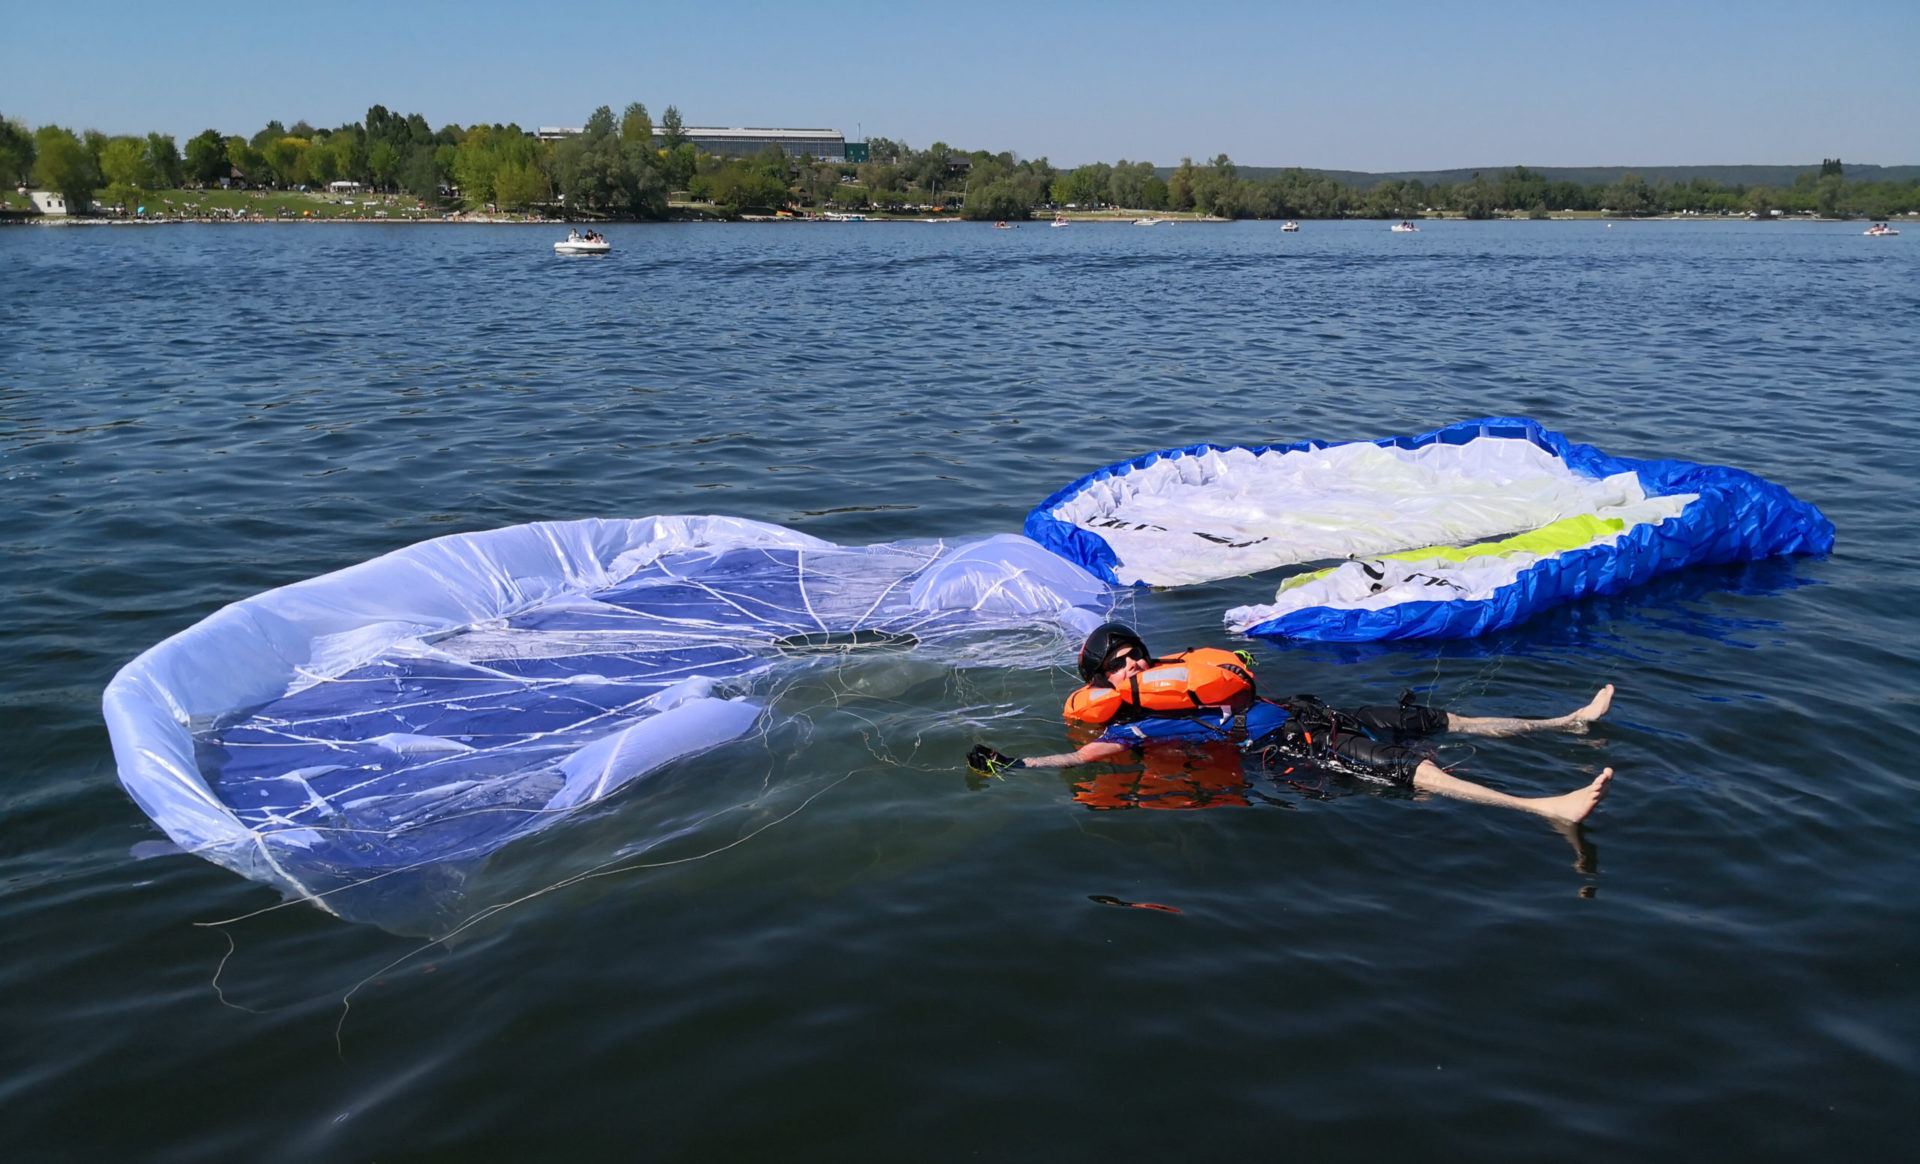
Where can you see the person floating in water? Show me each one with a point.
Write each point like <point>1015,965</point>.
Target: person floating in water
<point>1207,697</point>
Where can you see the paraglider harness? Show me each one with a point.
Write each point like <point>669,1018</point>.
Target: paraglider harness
<point>1311,734</point>
<point>1312,737</point>
<point>1320,737</point>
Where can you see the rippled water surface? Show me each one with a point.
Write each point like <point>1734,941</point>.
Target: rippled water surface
<point>884,962</point>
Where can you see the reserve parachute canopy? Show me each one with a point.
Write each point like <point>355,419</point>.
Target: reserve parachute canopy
<point>436,703</point>
<point>1449,534</point>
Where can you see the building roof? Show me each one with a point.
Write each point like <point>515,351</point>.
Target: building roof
<point>752,131</point>
<point>711,132</point>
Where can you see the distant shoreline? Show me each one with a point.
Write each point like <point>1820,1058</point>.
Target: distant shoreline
<point>26,219</point>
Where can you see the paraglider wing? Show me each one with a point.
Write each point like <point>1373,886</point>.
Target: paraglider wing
<point>436,703</point>
<point>1451,533</point>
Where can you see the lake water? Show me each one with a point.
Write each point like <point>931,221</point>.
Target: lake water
<point>896,965</point>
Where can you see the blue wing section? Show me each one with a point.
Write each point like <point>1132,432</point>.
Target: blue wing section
<point>1735,517</point>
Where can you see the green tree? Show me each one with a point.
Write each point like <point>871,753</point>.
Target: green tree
<point>163,157</point>
<point>678,164</point>
<point>243,157</point>
<point>1521,187</point>
<point>421,172</point>
<point>323,161</point>
<point>16,153</point>
<point>1630,196</point>
<point>739,187</point>
<point>599,170</point>
<point>476,161</point>
<point>1127,186</point>
<point>773,162</point>
<point>821,184</point>
<point>1180,186</point>
<point>929,168</point>
<point>1830,195</point>
<point>520,184</point>
<point>273,132</point>
<point>1089,185</point>
<point>881,177</point>
<point>383,162</point>
<point>993,201</point>
<point>599,125</point>
<point>206,161</point>
<point>349,147</point>
<point>63,164</point>
<point>1216,189</point>
<point>287,159</point>
<point>124,164</point>
<point>672,132</point>
<point>1476,199</point>
<point>1155,194</point>
<point>636,126</point>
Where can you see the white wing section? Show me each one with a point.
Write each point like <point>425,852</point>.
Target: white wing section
<point>1229,512</point>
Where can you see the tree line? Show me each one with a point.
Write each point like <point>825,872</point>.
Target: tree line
<point>627,166</point>
<point>1217,189</point>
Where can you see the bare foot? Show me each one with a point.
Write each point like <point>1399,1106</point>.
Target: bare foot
<point>1602,700</point>
<point>1576,805</point>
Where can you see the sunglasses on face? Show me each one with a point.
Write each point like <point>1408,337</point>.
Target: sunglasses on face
<point>1117,660</point>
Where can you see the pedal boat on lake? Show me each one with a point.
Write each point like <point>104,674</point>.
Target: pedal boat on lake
<point>1404,228</point>
<point>1880,230</point>
<point>573,244</point>
<point>1290,226</point>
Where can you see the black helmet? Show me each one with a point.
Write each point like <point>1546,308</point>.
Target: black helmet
<point>1103,642</point>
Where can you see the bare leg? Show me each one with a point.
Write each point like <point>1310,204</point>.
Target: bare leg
<point>1575,722</point>
<point>1571,808</point>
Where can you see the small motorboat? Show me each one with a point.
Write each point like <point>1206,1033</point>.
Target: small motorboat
<point>1146,222</point>
<point>1290,226</point>
<point>577,244</point>
<point>1404,228</point>
<point>1880,230</point>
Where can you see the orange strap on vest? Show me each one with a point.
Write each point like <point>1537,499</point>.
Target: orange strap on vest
<point>1188,681</point>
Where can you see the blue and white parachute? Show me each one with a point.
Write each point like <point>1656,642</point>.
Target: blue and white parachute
<point>434,704</point>
<point>1450,534</point>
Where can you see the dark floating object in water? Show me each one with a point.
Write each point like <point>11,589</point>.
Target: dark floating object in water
<point>843,642</point>
<point>1108,899</point>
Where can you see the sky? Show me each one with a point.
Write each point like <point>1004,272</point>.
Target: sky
<point>1378,86</point>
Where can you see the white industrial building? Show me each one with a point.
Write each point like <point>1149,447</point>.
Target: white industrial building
<point>828,145</point>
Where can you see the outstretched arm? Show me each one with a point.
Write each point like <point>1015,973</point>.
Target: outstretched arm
<point>985,759</point>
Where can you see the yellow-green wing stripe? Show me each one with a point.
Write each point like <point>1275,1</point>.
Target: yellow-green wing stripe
<point>1569,533</point>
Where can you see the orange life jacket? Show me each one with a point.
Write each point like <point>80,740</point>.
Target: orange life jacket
<point>1202,677</point>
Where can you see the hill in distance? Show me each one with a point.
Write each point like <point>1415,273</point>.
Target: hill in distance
<point>1593,175</point>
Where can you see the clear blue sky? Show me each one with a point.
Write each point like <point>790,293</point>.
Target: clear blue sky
<point>1364,86</point>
